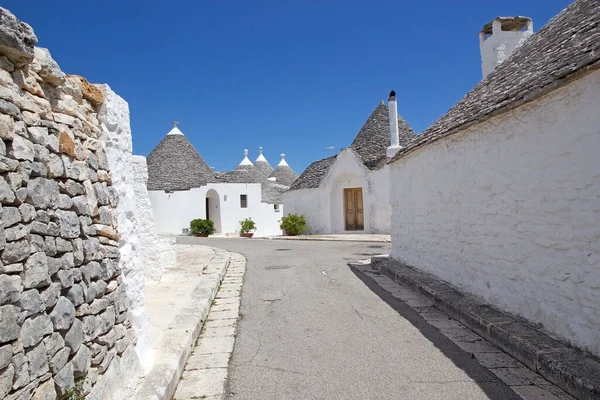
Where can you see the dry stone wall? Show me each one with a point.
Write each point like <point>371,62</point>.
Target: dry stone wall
<point>63,304</point>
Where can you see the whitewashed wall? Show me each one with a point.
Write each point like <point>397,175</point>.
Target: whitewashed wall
<point>499,46</point>
<point>509,210</point>
<point>174,211</point>
<point>323,207</point>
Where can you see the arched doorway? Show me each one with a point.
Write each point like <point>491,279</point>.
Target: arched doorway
<point>213,209</point>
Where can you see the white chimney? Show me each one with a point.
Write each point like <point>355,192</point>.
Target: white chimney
<point>393,114</point>
<point>499,38</point>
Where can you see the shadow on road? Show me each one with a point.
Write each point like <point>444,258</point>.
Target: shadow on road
<point>488,382</point>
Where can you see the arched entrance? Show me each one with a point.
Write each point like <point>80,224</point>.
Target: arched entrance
<point>213,209</point>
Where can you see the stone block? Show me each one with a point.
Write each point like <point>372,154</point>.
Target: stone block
<point>51,294</point>
<point>7,195</point>
<point>37,360</point>
<point>68,224</point>
<point>63,245</point>
<point>42,193</point>
<point>16,251</point>
<point>82,361</point>
<point>8,164</point>
<point>93,250</point>
<point>91,326</point>
<point>89,92</point>
<point>22,378</point>
<point>74,337</point>
<point>21,149</point>
<point>58,360</point>
<point>34,329</point>
<point>76,294</point>
<point>64,379</point>
<point>10,109</point>
<point>50,250</point>
<point>10,289</point>
<point>36,272</point>
<point>53,343</point>
<point>7,127</point>
<point>10,216</point>
<point>27,212</point>
<point>6,353</point>
<point>45,391</point>
<point>31,302</point>
<point>17,39</point>
<point>55,166</point>
<point>6,380</point>
<point>49,70</point>
<point>9,328</point>
<point>16,232</point>
<point>26,79</point>
<point>63,314</point>
<point>65,277</point>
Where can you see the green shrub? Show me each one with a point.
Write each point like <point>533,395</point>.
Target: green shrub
<point>204,226</point>
<point>293,224</point>
<point>247,225</point>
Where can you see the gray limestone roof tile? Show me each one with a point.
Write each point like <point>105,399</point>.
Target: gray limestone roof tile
<point>272,192</point>
<point>313,174</point>
<point>373,139</point>
<point>242,174</point>
<point>174,164</point>
<point>568,44</point>
<point>284,175</point>
<point>264,169</point>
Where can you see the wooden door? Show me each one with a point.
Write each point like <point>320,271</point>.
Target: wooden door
<point>207,209</point>
<point>353,209</point>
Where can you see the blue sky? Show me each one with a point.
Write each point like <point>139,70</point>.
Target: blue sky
<point>291,76</point>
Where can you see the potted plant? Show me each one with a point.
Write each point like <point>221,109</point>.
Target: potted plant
<point>202,227</point>
<point>246,226</point>
<point>293,224</point>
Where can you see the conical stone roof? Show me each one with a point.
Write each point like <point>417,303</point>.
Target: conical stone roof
<point>174,164</point>
<point>283,174</point>
<point>245,172</point>
<point>262,165</point>
<point>373,138</point>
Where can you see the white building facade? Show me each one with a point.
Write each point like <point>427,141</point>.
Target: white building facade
<point>349,192</point>
<point>182,188</point>
<point>507,201</point>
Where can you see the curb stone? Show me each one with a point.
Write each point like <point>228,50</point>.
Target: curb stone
<point>206,371</point>
<point>176,346</point>
<point>324,239</point>
<point>570,369</point>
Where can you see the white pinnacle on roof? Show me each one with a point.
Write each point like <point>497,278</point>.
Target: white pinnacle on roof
<point>282,163</point>
<point>246,161</point>
<point>175,130</point>
<point>260,156</point>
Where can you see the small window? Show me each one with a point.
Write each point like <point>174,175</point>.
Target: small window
<point>243,200</point>
<point>276,207</point>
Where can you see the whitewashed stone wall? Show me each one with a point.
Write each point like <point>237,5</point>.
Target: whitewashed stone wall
<point>174,211</point>
<point>156,253</point>
<point>509,209</point>
<point>116,137</point>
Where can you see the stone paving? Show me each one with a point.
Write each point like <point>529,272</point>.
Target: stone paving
<point>205,373</point>
<point>523,381</point>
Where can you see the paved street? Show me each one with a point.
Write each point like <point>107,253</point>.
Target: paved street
<point>312,329</point>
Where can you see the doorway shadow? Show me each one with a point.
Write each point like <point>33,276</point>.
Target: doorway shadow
<point>491,385</point>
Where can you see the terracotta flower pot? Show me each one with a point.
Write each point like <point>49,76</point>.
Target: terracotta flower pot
<point>290,234</point>
<point>201,234</point>
<point>247,234</point>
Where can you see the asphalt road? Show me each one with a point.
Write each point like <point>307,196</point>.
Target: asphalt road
<point>311,328</point>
